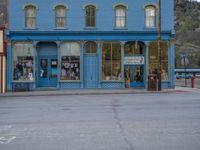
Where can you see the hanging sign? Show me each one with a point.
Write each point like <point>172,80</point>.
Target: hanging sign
<point>1,41</point>
<point>134,60</point>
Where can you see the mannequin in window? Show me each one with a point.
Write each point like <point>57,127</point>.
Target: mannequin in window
<point>19,68</point>
<point>63,73</point>
<point>127,78</point>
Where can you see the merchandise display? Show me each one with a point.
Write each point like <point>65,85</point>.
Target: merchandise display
<point>70,68</point>
<point>23,68</point>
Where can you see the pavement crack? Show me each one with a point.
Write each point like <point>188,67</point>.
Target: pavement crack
<point>118,121</point>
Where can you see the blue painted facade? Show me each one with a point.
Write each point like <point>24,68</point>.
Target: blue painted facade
<point>47,39</point>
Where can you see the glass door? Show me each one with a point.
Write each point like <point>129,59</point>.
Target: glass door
<point>134,76</point>
<point>47,76</point>
<point>137,76</point>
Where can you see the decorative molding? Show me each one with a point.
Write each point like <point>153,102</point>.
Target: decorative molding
<point>58,43</point>
<point>88,4</point>
<point>120,4</point>
<point>61,4</point>
<point>150,4</point>
<point>122,43</point>
<point>30,4</point>
<point>146,43</point>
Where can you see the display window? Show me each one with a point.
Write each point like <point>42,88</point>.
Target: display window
<point>70,61</point>
<point>23,62</point>
<point>153,59</point>
<point>111,61</point>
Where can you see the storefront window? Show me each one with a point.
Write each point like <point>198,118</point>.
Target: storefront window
<point>134,48</point>
<point>153,59</point>
<point>111,61</point>
<point>23,62</point>
<point>70,61</point>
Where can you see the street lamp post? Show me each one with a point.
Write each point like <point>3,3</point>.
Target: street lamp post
<point>159,46</point>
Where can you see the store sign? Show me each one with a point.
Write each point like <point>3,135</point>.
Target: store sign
<point>1,41</point>
<point>134,60</point>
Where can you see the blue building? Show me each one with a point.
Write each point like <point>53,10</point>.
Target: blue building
<point>69,44</point>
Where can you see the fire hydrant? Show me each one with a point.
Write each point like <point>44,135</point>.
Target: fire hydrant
<point>193,81</point>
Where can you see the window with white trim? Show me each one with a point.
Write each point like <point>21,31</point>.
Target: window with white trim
<point>30,16</point>
<point>60,14</point>
<point>150,16</point>
<point>120,16</point>
<point>90,16</point>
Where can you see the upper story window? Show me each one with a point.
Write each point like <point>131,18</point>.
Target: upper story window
<point>120,16</point>
<point>30,16</point>
<point>60,14</point>
<point>150,16</point>
<point>90,16</point>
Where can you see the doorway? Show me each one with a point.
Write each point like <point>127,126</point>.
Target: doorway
<point>47,65</point>
<point>90,65</point>
<point>134,76</point>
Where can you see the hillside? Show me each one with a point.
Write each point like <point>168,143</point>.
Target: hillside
<point>187,26</point>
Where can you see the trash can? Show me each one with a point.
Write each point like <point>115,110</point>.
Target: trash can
<point>152,82</point>
<point>193,81</point>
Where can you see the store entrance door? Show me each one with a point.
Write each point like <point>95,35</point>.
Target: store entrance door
<point>47,65</point>
<point>48,71</point>
<point>134,76</point>
<point>90,71</point>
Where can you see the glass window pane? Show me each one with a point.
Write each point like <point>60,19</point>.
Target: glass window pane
<point>106,61</point>
<point>70,61</point>
<point>116,51</point>
<point>60,16</point>
<point>23,61</point>
<point>90,47</point>
<point>150,16</point>
<point>90,16</point>
<point>30,17</point>
<point>111,61</point>
<point>120,16</point>
<point>153,59</point>
<point>134,48</point>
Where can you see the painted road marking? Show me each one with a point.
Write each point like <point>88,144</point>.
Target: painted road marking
<point>4,140</point>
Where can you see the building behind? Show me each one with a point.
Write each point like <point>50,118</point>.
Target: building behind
<point>3,25</point>
<point>81,44</point>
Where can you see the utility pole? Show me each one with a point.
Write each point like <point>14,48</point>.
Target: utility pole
<point>159,46</point>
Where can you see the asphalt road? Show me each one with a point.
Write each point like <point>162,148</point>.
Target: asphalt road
<point>103,122</point>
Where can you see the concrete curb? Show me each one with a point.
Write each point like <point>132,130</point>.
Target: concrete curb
<point>85,92</point>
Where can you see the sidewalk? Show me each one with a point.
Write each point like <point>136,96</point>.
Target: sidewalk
<point>93,92</point>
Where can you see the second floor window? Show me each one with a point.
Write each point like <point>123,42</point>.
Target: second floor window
<point>30,17</point>
<point>120,16</point>
<point>60,16</point>
<point>90,16</point>
<point>150,17</point>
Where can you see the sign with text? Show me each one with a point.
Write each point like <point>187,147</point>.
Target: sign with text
<point>1,41</point>
<point>134,60</point>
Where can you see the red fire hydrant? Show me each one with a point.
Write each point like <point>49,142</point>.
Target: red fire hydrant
<point>193,81</point>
